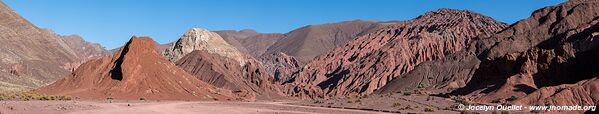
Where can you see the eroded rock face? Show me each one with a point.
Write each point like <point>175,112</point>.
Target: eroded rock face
<point>556,45</point>
<point>546,59</point>
<point>281,66</point>
<point>583,93</point>
<point>201,39</point>
<point>310,41</point>
<point>248,82</point>
<point>370,61</point>
<point>136,71</point>
<point>31,57</point>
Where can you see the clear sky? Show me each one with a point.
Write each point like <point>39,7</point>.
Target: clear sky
<point>112,22</point>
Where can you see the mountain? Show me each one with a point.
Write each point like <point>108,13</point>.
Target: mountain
<point>32,57</point>
<point>248,82</point>
<point>258,44</point>
<point>281,66</point>
<point>136,71</point>
<point>368,62</point>
<point>201,39</point>
<point>310,41</point>
<point>549,56</point>
<point>84,50</point>
<point>235,37</point>
<point>249,41</point>
<point>546,59</point>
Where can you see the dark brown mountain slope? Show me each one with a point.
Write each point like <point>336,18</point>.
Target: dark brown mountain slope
<point>310,41</point>
<point>249,41</point>
<point>31,57</point>
<point>369,62</point>
<point>236,37</point>
<point>136,71</point>
<point>258,44</point>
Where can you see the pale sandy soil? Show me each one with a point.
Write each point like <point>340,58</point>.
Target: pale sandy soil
<point>397,103</point>
<point>394,103</point>
<point>162,107</point>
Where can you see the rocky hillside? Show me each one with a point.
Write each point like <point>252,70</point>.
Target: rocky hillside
<point>281,66</point>
<point>370,61</point>
<point>535,56</point>
<point>248,82</point>
<point>32,57</point>
<point>546,59</point>
<point>136,71</point>
<point>201,39</point>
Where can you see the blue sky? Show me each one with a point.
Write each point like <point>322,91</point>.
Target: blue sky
<point>112,22</point>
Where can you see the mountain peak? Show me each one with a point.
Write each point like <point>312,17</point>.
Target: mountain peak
<point>136,71</point>
<point>446,14</point>
<point>140,44</point>
<point>202,39</point>
<point>447,11</point>
<point>248,31</point>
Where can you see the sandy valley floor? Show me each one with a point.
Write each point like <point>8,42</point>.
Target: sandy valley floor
<point>159,107</point>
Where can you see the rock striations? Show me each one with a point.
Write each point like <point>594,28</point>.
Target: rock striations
<point>31,57</point>
<point>248,82</point>
<point>136,71</point>
<point>546,59</point>
<point>281,66</point>
<point>367,63</point>
<point>533,58</point>
<point>201,39</point>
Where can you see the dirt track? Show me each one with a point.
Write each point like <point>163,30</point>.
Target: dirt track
<point>163,107</point>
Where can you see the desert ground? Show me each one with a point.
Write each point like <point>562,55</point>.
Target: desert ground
<point>164,107</point>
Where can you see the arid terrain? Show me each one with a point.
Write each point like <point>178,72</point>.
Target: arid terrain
<point>164,107</point>
<point>438,62</point>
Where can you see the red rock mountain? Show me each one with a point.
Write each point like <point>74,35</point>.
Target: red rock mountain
<point>136,71</point>
<point>367,63</point>
<point>310,41</point>
<point>282,66</point>
<point>31,57</point>
<point>546,59</point>
<point>248,82</point>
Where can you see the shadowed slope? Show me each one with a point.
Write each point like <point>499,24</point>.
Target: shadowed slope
<point>136,71</point>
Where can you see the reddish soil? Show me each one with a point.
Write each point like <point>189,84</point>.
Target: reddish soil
<point>546,59</point>
<point>164,107</point>
<point>136,71</point>
<point>248,82</point>
<point>370,61</point>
